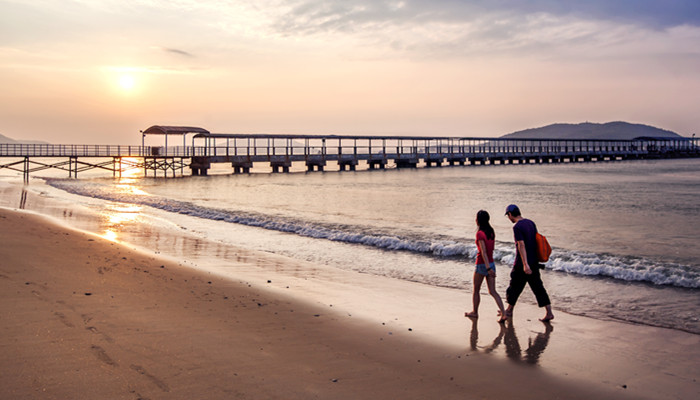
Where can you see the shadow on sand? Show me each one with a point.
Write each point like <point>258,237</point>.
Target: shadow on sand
<point>513,350</point>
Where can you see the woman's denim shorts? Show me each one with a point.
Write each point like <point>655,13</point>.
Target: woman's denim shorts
<point>481,269</point>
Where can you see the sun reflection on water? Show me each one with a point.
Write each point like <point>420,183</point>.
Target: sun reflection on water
<point>130,168</point>
<point>110,235</point>
<point>124,186</point>
<point>116,216</point>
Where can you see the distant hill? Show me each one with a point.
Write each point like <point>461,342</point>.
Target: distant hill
<point>588,130</point>
<point>5,139</point>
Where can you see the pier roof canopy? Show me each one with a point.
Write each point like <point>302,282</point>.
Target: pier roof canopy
<point>173,130</point>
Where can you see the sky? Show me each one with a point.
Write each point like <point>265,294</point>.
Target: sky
<point>99,71</point>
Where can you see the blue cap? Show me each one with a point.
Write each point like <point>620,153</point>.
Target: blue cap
<point>511,208</point>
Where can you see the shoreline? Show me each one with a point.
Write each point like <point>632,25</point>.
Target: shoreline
<point>90,318</point>
<point>127,322</point>
<point>619,298</point>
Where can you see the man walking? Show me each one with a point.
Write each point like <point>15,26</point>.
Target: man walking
<point>526,268</point>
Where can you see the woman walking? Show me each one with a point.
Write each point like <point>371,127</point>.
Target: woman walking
<point>485,267</point>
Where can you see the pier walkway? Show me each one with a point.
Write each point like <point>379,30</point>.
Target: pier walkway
<point>242,151</point>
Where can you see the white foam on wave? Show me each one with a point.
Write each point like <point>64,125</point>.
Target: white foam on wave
<point>626,268</point>
<point>589,264</point>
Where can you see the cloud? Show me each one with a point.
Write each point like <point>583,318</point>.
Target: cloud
<point>658,14</point>
<point>178,52</point>
<point>346,15</point>
<point>442,28</point>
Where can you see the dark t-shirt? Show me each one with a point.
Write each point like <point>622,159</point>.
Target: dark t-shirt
<point>525,230</point>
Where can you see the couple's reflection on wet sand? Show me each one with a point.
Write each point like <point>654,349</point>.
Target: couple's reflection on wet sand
<point>507,336</point>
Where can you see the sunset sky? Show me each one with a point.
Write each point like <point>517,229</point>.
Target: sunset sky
<point>98,71</point>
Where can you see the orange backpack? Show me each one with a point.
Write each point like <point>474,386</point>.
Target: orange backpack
<point>543,248</point>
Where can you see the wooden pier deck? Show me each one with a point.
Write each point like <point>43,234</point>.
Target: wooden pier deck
<point>280,152</point>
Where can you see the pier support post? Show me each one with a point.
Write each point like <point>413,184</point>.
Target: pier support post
<point>26,169</point>
<point>243,166</point>
<point>350,163</point>
<point>117,167</point>
<point>376,163</point>
<point>406,163</point>
<point>283,162</point>
<point>200,166</point>
<point>311,167</point>
<point>73,167</point>
<point>350,166</point>
<point>276,168</point>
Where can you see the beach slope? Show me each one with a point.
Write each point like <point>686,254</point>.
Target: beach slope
<point>83,317</point>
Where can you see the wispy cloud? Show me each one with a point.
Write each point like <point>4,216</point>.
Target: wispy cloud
<point>178,52</point>
<point>452,27</point>
<point>310,15</point>
<point>415,28</point>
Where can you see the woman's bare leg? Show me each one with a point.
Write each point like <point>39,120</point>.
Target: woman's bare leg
<point>491,283</point>
<point>476,296</point>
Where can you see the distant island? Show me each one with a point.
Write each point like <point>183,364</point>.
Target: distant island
<point>587,130</point>
<point>6,140</point>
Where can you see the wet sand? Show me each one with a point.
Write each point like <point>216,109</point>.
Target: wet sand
<point>83,317</point>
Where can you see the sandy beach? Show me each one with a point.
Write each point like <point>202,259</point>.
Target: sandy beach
<point>83,317</point>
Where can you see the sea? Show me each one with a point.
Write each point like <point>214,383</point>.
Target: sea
<point>624,233</point>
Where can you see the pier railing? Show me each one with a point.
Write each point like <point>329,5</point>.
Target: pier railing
<point>71,150</point>
<point>335,147</point>
<point>280,151</point>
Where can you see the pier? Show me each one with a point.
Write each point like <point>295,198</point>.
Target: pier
<point>200,149</point>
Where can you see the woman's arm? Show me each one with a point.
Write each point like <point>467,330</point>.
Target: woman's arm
<point>485,257</point>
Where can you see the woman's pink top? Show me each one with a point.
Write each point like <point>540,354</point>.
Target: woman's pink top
<point>490,243</point>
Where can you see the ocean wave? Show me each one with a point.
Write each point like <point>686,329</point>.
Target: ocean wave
<point>626,268</point>
<point>573,262</point>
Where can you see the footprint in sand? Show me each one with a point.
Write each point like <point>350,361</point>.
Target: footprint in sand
<point>153,379</point>
<point>102,356</point>
<point>64,320</point>
<point>104,335</point>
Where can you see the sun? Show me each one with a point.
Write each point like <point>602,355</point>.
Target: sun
<point>126,82</point>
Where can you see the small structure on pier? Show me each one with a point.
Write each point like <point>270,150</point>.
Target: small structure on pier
<point>167,158</point>
<point>171,131</point>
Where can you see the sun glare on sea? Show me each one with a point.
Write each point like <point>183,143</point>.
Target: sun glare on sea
<point>131,169</point>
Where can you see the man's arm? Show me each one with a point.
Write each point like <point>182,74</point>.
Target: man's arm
<point>520,244</point>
